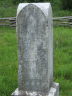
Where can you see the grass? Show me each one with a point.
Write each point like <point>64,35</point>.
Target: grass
<point>62,54</point>
<point>8,61</point>
<point>62,62</point>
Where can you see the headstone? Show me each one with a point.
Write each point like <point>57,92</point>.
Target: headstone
<point>35,50</point>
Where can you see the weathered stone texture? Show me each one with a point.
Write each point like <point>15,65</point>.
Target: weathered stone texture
<point>35,50</point>
<point>32,48</point>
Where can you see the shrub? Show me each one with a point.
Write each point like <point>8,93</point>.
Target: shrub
<point>66,4</point>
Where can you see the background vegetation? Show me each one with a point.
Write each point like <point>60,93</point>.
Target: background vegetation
<point>62,62</point>
<point>60,8</point>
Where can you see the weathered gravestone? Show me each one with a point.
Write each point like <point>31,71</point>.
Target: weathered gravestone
<point>35,51</point>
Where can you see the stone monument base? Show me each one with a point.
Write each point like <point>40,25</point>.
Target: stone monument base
<point>54,91</point>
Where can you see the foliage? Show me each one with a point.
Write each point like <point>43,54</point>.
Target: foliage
<point>8,11</point>
<point>61,4</point>
<point>66,4</point>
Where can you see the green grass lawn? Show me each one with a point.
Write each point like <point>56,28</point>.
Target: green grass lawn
<point>8,61</point>
<point>62,60</point>
<point>62,55</point>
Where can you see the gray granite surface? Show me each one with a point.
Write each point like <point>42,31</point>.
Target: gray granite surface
<point>34,48</point>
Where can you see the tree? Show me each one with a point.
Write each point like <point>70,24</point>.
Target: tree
<point>66,4</point>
